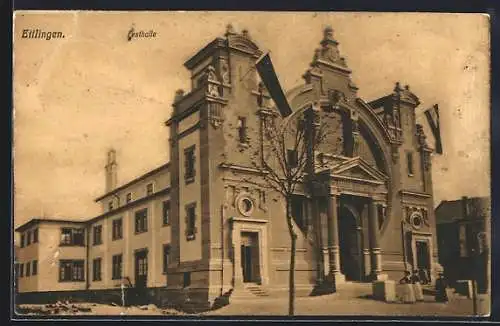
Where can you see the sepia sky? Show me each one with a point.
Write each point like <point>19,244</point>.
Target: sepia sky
<point>76,97</point>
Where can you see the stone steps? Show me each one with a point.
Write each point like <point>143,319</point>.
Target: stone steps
<point>250,291</point>
<point>258,291</point>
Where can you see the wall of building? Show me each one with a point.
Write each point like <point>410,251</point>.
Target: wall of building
<point>50,253</point>
<point>26,255</point>
<point>160,180</point>
<point>153,240</point>
<point>413,181</point>
<point>190,250</point>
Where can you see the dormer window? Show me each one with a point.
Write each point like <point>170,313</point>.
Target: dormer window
<point>242,130</point>
<point>149,189</point>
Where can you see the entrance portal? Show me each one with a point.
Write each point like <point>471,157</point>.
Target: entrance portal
<point>141,269</point>
<point>350,246</point>
<point>250,257</point>
<point>422,248</point>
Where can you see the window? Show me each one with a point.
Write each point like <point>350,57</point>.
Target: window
<point>35,235</point>
<point>110,205</point>
<point>189,163</point>
<point>117,267</point>
<point>166,257</point>
<point>97,235</point>
<point>141,221</point>
<point>72,237</point>
<point>149,189</point>
<point>190,221</point>
<point>22,240</point>
<point>117,229</point>
<point>142,265</point>
<point>28,269</point>
<point>28,238</point>
<point>409,161</point>
<point>187,279</point>
<point>292,158</point>
<point>242,129</point>
<point>34,268</point>
<point>299,211</point>
<point>96,269</point>
<point>166,212</point>
<point>71,270</point>
<point>128,197</point>
<point>21,270</point>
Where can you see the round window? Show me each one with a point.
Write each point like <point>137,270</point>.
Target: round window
<point>416,220</point>
<point>245,206</point>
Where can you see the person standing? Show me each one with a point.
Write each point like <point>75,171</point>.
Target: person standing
<point>423,276</point>
<point>441,285</point>
<point>417,286</point>
<point>406,278</point>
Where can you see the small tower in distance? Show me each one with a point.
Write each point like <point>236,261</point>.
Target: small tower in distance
<point>111,171</point>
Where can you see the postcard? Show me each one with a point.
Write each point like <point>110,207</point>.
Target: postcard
<point>251,163</point>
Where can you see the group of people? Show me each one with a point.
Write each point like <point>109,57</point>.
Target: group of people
<point>421,277</point>
<point>418,276</point>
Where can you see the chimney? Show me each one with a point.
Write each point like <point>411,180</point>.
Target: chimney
<point>465,207</point>
<point>111,167</point>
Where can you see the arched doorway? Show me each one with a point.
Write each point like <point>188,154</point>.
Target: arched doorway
<point>350,235</point>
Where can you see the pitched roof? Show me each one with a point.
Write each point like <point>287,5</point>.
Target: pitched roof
<point>139,178</point>
<point>449,211</point>
<point>37,220</point>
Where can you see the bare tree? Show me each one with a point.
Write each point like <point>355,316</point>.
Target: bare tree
<point>287,163</point>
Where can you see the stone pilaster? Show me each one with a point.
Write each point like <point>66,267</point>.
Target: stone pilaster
<point>333,241</point>
<point>376,252</point>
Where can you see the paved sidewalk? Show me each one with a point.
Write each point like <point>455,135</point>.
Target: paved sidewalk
<point>340,305</point>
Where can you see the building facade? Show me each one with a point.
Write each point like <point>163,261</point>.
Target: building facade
<point>202,226</point>
<point>463,231</point>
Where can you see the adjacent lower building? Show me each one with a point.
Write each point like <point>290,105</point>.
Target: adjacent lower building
<point>463,230</point>
<point>203,225</point>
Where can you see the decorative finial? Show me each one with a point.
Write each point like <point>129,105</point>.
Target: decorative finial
<point>245,33</point>
<point>260,97</point>
<point>261,87</point>
<point>179,94</point>
<point>398,88</point>
<point>407,87</point>
<point>328,32</point>
<point>316,55</point>
<point>229,29</point>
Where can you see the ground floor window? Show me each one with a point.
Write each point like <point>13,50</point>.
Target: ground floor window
<point>71,270</point>
<point>96,269</point>
<point>117,267</point>
<point>187,279</point>
<point>34,268</point>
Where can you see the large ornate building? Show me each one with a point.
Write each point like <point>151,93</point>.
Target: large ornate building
<point>196,228</point>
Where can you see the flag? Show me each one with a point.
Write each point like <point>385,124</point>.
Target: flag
<point>433,119</point>
<point>270,79</point>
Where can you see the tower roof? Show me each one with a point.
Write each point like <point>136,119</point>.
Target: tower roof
<point>329,52</point>
<point>241,42</point>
